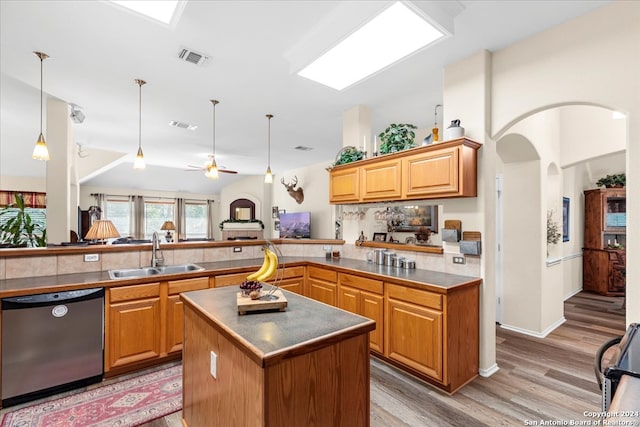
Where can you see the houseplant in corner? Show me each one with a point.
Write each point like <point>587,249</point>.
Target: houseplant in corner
<point>19,230</point>
<point>613,181</point>
<point>397,137</point>
<point>346,155</point>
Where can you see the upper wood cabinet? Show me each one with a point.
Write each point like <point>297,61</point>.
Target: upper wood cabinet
<point>446,169</point>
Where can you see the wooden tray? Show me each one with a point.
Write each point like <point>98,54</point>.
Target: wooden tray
<point>246,304</point>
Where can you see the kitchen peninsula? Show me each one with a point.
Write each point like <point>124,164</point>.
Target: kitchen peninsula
<point>308,365</point>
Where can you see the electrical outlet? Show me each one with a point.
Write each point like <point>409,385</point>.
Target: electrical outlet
<point>237,249</point>
<point>459,260</point>
<point>214,365</point>
<point>327,248</point>
<point>91,257</point>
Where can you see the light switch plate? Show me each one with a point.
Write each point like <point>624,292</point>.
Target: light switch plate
<point>91,257</point>
<point>237,249</point>
<point>214,365</point>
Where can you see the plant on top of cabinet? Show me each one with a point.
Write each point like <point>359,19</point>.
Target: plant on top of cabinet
<point>19,230</point>
<point>397,137</point>
<point>347,155</point>
<point>612,181</point>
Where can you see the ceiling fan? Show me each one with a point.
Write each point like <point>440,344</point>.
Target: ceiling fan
<point>211,168</point>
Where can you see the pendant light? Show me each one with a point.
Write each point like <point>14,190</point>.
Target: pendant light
<point>268,176</point>
<point>139,161</point>
<point>40,151</point>
<point>212,169</point>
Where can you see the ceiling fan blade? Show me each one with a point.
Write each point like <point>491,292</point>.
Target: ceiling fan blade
<point>226,171</point>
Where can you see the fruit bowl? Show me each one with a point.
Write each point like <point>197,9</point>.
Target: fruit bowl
<point>249,286</point>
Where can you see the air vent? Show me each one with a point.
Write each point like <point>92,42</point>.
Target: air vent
<point>302,148</point>
<point>182,125</point>
<point>191,56</point>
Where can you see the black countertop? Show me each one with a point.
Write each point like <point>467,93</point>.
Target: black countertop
<point>435,280</point>
<point>274,334</point>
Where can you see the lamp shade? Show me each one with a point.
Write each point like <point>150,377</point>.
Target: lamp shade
<point>102,229</point>
<point>168,225</point>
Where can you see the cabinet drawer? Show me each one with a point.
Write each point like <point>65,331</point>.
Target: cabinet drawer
<point>322,274</point>
<point>125,293</point>
<point>416,296</point>
<point>362,283</point>
<point>289,273</point>
<point>186,285</point>
<point>230,279</point>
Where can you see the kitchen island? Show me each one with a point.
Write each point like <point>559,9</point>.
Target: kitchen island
<point>308,365</point>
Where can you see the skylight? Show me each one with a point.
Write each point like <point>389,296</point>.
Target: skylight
<point>162,10</point>
<point>392,35</point>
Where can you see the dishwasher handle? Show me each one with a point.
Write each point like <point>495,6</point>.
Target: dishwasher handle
<point>50,299</point>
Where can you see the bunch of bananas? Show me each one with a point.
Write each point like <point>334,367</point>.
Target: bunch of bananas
<point>269,266</point>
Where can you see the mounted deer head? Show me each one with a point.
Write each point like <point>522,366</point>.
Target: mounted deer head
<point>296,193</point>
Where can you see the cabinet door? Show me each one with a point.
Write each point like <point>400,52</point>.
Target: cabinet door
<point>372,306</point>
<point>381,180</point>
<point>434,173</point>
<point>344,185</point>
<point>293,285</point>
<point>323,291</point>
<point>415,337</point>
<point>134,331</point>
<point>174,310</point>
<point>349,299</point>
<point>230,279</point>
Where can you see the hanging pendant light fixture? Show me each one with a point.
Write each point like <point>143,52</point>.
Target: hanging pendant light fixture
<point>139,161</point>
<point>40,151</point>
<point>212,169</point>
<point>268,176</point>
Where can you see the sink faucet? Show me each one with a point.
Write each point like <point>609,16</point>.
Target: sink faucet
<point>157,259</point>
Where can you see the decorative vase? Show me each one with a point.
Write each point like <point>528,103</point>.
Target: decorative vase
<point>454,130</point>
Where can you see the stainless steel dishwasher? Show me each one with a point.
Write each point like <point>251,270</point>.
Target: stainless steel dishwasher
<point>51,343</point>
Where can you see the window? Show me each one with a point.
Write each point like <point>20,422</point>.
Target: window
<point>155,214</point>
<point>38,216</point>
<point>195,220</point>
<point>119,211</point>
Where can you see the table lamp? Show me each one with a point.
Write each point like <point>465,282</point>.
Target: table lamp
<point>168,226</point>
<point>102,229</point>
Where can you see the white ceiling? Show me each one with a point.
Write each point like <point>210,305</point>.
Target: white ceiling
<point>97,50</point>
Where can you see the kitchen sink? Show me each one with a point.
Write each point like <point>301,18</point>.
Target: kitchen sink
<point>130,273</point>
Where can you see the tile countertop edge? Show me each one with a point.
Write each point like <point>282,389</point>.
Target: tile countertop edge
<point>194,300</point>
<point>427,279</point>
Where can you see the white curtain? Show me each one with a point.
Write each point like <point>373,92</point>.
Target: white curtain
<point>210,219</point>
<point>138,217</point>
<point>180,219</point>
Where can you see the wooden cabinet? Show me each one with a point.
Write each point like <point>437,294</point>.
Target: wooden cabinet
<point>175,315</point>
<point>344,185</point>
<point>230,279</point>
<point>133,332</point>
<point>380,180</point>
<point>291,279</point>
<point>605,224</point>
<point>446,169</point>
<point>364,296</point>
<point>322,285</point>
<point>435,335</point>
<point>143,323</point>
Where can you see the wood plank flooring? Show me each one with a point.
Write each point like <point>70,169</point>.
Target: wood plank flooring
<point>546,379</point>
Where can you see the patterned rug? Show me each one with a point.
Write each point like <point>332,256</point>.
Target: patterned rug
<point>126,403</point>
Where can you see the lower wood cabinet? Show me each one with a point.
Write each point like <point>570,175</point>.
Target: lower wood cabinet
<point>364,296</point>
<point>143,323</point>
<point>599,272</point>
<point>322,285</point>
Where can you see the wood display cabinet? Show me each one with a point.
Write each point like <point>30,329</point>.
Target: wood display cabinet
<point>441,170</point>
<point>605,225</point>
<point>365,297</point>
<point>322,285</point>
<point>143,323</point>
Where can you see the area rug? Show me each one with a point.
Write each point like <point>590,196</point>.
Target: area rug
<point>126,403</point>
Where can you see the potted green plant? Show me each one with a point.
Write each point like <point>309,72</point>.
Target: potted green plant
<point>613,181</point>
<point>19,230</point>
<point>347,155</point>
<point>397,137</point>
<point>221,225</point>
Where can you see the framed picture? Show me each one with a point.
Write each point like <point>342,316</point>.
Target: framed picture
<point>274,212</point>
<point>276,225</point>
<point>565,219</point>
<point>379,237</point>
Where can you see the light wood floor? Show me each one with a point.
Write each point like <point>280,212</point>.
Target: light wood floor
<point>539,379</point>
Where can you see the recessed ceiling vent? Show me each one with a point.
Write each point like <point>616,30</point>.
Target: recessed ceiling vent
<point>182,125</point>
<point>192,56</point>
<point>302,148</point>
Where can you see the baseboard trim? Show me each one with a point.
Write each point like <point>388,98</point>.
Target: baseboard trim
<point>489,371</point>
<point>572,293</point>
<point>542,334</point>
